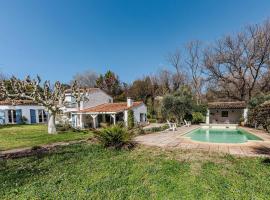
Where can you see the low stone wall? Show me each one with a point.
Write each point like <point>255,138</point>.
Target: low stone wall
<point>219,126</point>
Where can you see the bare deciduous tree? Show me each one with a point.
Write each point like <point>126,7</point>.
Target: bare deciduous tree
<point>52,98</point>
<point>237,63</point>
<point>85,79</point>
<point>163,80</point>
<point>264,83</point>
<point>195,65</point>
<point>78,93</point>
<point>2,76</point>
<point>178,78</point>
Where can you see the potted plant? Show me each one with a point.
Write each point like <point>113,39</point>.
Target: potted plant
<point>241,121</point>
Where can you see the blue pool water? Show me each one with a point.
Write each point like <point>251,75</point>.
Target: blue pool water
<point>221,135</point>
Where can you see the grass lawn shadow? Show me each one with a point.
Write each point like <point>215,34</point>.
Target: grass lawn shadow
<point>263,150</point>
<point>266,161</point>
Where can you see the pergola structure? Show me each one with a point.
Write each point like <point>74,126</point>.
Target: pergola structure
<point>79,122</point>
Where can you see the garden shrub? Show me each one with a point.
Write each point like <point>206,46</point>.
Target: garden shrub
<point>188,117</point>
<point>260,116</point>
<point>114,136</point>
<point>137,131</point>
<point>104,124</point>
<point>152,120</point>
<point>66,128</point>
<point>130,119</point>
<point>241,120</point>
<point>156,129</point>
<point>175,106</point>
<point>258,100</point>
<point>197,117</point>
<point>62,127</point>
<point>161,120</point>
<point>201,108</point>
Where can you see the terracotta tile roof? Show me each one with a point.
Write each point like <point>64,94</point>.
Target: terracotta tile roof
<point>227,105</point>
<point>18,102</point>
<point>89,90</point>
<point>111,107</point>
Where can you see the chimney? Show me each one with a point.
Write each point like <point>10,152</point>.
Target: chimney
<point>129,102</point>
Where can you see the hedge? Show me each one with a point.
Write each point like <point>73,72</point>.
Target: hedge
<point>130,119</point>
<point>260,116</point>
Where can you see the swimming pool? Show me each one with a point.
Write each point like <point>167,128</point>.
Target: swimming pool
<point>221,135</point>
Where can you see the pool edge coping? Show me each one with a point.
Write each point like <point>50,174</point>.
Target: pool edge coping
<point>248,143</point>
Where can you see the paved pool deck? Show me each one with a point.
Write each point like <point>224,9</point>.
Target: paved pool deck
<point>176,139</point>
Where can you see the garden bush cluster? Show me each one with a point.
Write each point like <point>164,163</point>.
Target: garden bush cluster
<point>181,105</point>
<point>61,128</point>
<point>260,116</point>
<point>114,136</point>
<point>197,117</point>
<point>156,129</point>
<point>130,119</point>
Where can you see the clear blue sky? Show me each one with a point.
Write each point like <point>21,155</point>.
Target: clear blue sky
<point>56,39</point>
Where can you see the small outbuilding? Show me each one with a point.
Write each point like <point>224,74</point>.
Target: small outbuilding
<point>226,112</point>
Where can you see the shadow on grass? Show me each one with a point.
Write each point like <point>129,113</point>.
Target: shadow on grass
<point>14,126</point>
<point>266,161</point>
<point>18,174</point>
<point>263,150</point>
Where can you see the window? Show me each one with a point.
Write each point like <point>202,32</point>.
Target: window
<point>142,117</point>
<point>70,99</point>
<point>11,116</point>
<point>224,114</point>
<point>2,117</point>
<point>42,116</point>
<point>73,99</point>
<point>45,116</point>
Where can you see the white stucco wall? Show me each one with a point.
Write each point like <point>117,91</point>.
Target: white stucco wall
<point>245,115</point>
<point>25,110</point>
<point>126,117</point>
<point>137,110</point>
<point>207,118</point>
<point>96,98</point>
<point>233,116</point>
<point>68,98</point>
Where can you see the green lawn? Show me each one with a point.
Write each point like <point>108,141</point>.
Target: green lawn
<point>88,171</point>
<point>17,136</point>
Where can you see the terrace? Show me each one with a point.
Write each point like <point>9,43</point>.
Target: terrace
<point>179,140</point>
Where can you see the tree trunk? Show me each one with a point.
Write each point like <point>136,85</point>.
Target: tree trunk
<point>51,124</point>
<point>197,99</point>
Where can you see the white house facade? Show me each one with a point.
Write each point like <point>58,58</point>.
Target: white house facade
<point>95,96</point>
<point>19,111</point>
<point>99,109</point>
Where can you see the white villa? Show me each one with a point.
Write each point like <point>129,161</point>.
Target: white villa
<point>226,112</point>
<point>13,112</point>
<point>99,108</point>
